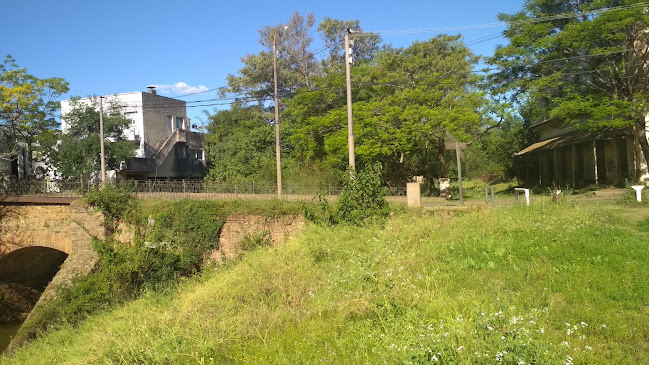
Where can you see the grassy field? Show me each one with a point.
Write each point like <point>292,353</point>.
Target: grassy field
<point>518,285</point>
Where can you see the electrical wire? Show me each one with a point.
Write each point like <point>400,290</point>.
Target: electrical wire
<point>424,80</point>
<point>502,24</point>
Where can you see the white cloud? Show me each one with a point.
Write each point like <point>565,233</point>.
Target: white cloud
<point>180,88</point>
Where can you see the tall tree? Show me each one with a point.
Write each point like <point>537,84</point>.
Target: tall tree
<point>403,103</point>
<point>27,107</point>
<point>240,145</point>
<point>295,61</point>
<point>77,155</point>
<point>584,62</point>
<point>332,32</point>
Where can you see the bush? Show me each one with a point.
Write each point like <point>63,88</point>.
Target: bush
<point>363,197</point>
<point>173,245</point>
<point>320,214</point>
<point>189,228</point>
<point>115,202</point>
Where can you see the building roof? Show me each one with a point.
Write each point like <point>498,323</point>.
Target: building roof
<point>570,139</point>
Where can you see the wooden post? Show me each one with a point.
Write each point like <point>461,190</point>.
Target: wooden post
<point>595,160</point>
<point>636,175</point>
<point>350,122</point>
<point>555,167</point>
<point>572,166</point>
<point>540,168</point>
<point>527,169</point>
<point>278,158</point>
<point>457,146</point>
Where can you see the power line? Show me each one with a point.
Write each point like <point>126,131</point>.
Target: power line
<point>502,24</point>
<point>196,93</point>
<point>428,80</point>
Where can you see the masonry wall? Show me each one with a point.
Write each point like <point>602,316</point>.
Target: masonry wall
<point>157,127</point>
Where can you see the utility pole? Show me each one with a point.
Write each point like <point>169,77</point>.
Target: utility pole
<point>350,122</point>
<point>277,145</point>
<point>101,140</point>
<point>458,147</point>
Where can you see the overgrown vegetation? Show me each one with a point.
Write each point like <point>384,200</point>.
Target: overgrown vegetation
<point>116,202</point>
<point>545,284</point>
<point>361,201</point>
<point>630,197</point>
<point>363,196</point>
<point>168,243</point>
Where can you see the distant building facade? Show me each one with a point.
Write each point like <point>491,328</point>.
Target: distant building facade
<point>567,157</point>
<point>166,146</point>
<point>15,164</point>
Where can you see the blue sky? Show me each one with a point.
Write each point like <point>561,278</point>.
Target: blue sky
<point>107,47</point>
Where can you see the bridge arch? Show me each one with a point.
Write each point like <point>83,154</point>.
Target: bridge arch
<point>32,266</point>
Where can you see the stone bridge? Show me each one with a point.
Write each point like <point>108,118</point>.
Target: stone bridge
<point>45,243</point>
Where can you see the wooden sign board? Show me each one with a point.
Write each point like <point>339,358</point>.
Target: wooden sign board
<point>454,145</point>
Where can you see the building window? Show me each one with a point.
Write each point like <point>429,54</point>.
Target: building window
<point>170,122</point>
<point>197,154</point>
<point>179,122</point>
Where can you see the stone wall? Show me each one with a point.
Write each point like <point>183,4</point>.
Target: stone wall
<point>238,227</point>
<point>68,229</point>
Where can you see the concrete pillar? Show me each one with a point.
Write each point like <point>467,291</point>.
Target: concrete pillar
<point>414,194</point>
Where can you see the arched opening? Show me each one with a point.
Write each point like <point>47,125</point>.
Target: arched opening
<point>24,275</point>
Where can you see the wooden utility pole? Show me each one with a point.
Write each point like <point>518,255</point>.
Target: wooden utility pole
<point>277,144</point>
<point>350,123</point>
<point>458,147</point>
<point>101,140</point>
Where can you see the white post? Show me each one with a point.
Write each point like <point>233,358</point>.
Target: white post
<point>638,192</point>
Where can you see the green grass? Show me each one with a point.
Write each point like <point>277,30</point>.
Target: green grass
<point>543,284</point>
<point>474,189</point>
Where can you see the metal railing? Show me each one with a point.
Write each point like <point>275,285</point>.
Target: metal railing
<point>177,189</point>
<point>67,189</point>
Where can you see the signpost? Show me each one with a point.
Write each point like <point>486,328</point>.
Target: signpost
<point>458,147</point>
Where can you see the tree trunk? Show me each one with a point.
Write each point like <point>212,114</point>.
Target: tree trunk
<point>641,129</point>
<point>30,161</point>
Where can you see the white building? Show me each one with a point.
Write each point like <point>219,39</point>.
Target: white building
<point>166,147</point>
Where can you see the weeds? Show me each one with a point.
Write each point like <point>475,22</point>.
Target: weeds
<point>541,284</point>
<point>362,201</point>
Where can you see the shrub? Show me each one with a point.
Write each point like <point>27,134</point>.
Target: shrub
<point>173,245</point>
<point>363,197</point>
<point>320,212</point>
<point>116,202</point>
<point>189,228</point>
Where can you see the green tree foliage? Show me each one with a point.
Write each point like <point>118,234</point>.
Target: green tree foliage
<point>363,197</point>
<point>240,145</point>
<point>404,100</point>
<point>27,107</point>
<point>116,202</point>
<point>580,62</point>
<point>332,32</point>
<point>491,155</point>
<point>295,61</point>
<point>78,152</point>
